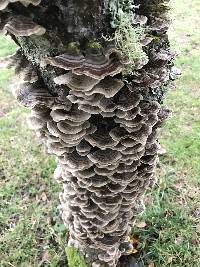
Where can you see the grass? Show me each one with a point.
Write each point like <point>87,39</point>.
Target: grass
<point>31,233</point>
<point>74,258</point>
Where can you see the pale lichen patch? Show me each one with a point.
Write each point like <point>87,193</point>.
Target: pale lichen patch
<point>127,36</point>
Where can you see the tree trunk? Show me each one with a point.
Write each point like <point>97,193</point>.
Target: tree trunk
<point>95,94</point>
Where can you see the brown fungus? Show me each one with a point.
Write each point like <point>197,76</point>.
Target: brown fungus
<point>23,26</point>
<point>104,157</point>
<point>4,3</point>
<point>95,64</point>
<point>108,87</point>
<point>101,125</point>
<point>11,61</point>
<point>30,95</point>
<point>76,82</point>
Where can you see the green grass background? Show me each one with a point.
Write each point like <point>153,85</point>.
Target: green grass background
<point>31,233</point>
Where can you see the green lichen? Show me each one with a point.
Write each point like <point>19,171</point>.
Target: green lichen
<point>127,36</point>
<point>127,39</point>
<point>73,46</point>
<point>155,38</point>
<point>94,44</point>
<point>74,258</point>
<point>117,8</point>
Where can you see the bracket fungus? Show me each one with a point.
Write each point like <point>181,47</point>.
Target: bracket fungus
<point>4,3</point>
<point>22,26</point>
<point>95,64</point>
<point>99,120</point>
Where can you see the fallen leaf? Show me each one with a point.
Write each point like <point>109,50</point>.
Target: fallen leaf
<point>141,224</point>
<point>134,241</point>
<point>193,192</point>
<point>170,259</point>
<point>179,185</point>
<point>43,197</point>
<point>151,264</point>
<point>134,250</point>
<point>178,240</point>
<point>46,257</point>
<point>194,241</point>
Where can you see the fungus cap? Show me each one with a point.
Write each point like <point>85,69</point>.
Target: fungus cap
<point>4,3</point>
<point>23,26</point>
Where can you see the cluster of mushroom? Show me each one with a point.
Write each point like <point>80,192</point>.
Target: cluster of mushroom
<point>19,25</point>
<point>102,128</point>
<point>105,137</point>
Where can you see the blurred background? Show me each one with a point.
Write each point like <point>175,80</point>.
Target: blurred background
<point>168,233</point>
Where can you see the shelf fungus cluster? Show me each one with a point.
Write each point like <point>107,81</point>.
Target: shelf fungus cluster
<point>101,125</point>
<point>4,3</point>
<point>17,24</point>
<point>21,26</point>
<point>104,134</point>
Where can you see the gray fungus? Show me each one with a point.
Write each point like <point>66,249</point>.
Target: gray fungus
<point>102,127</point>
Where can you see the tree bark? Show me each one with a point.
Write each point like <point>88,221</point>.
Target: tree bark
<point>100,121</point>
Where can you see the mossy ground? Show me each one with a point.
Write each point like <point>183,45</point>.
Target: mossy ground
<point>31,233</point>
